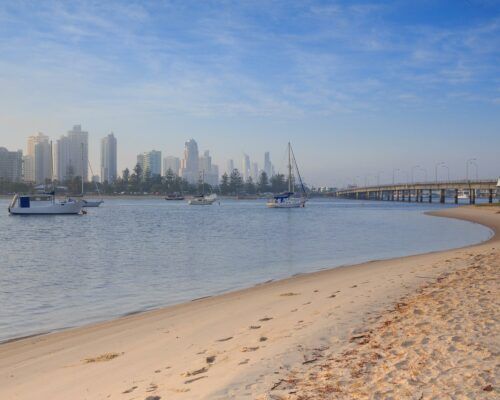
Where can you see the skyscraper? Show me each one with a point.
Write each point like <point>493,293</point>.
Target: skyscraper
<point>209,170</point>
<point>150,161</point>
<point>171,163</point>
<point>11,165</point>
<point>109,169</point>
<point>229,167</point>
<point>245,167</point>
<point>71,155</point>
<point>190,164</point>
<point>268,166</point>
<point>255,172</point>
<point>37,162</point>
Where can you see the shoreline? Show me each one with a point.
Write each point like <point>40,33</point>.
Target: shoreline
<point>243,288</point>
<point>134,343</point>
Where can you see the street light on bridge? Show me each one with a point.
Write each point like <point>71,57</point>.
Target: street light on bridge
<point>413,169</point>
<point>393,174</point>
<point>436,169</point>
<point>469,161</point>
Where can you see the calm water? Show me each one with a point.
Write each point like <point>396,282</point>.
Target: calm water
<point>130,255</point>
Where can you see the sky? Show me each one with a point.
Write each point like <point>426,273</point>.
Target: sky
<point>361,89</point>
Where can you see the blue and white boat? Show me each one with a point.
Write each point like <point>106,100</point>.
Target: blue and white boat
<point>43,204</point>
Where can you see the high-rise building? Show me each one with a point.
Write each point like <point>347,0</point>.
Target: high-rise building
<point>245,167</point>
<point>230,167</point>
<point>171,163</point>
<point>109,169</point>
<point>71,155</point>
<point>255,172</point>
<point>190,164</point>
<point>11,165</point>
<point>150,161</point>
<point>210,171</point>
<point>268,166</point>
<point>38,160</point>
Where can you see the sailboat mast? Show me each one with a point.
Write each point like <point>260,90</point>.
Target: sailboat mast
<point>52,173</point>
<point>82,167</point>
<point>289,168</point>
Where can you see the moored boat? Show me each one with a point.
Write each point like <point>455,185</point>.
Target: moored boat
<point>289,199</point>
<point>202,200</point>
<point>174,197</point>
<point>43,204</point>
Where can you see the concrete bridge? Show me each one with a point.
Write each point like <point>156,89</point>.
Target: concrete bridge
<point>424,191</point>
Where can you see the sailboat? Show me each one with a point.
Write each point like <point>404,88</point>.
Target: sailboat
<point>44,203</point>
<point>288,199</point>
<point>201,199</point>
<point>90,203</point>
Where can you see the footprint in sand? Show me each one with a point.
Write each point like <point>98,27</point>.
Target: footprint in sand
<point>262,339</point>
<point>255,327</point>
<point>249,349</point>
<point>153,398</point>
<point>265,319</point>
<point>194,379</point>
<point>129,390</point>
<point>102,358</point>
<point>245,361</point>
<point>210,359</point>
<point>195,372</point>
<point>225,339</point>
<point>289,294</point>
<point>152,387</point>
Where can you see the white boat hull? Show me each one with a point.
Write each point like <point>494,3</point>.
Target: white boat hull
<point>202,202</point>
<point>287,204</point>
<point>54,209</point>
<point>44,206</point>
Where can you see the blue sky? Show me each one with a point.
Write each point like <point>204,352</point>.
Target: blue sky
<point>358,87</point>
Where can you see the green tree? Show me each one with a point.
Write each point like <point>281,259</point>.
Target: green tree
<point>235,182</point>
<point>126,175</point>
<point>263,184</point>
<point>224,184</point>
<point>250,187</point>
<point>278,183</point>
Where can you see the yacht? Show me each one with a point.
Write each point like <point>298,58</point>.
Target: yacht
<point>289,199</point>
<point>43,204</point>
<point>202,200</point>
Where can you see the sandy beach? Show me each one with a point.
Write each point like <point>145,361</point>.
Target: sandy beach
<point>418,327</point>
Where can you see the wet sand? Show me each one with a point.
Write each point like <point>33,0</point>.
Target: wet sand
<point>423,326</point>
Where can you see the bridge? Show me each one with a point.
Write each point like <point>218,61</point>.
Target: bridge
<point>424,191</point>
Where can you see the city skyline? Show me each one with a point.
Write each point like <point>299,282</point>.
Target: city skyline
<point>358,87</point>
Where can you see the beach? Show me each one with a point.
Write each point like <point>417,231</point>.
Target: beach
<point>423,326</point>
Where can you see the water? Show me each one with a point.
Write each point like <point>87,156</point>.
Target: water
<point>130,255</point>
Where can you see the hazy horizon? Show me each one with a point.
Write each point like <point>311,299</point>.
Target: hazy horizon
<point>357,87</point>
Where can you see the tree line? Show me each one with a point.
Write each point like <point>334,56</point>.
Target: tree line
<point>141,182</point>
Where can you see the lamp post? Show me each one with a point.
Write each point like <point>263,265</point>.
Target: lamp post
<point>448,169</point>
<point>394,174</point>
<point>413,169</point>
<point>425,173</point>
<point>470,160</point>
<point>477,169</point>
<point>436,169</point>
<point>378,178</point>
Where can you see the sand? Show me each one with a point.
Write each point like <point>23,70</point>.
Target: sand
<point>419,327</point>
